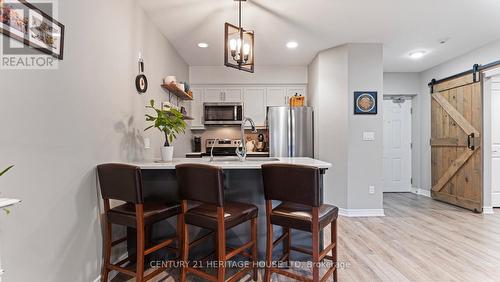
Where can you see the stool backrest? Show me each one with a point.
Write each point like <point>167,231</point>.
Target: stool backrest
<point>292,183</point>
<point>201,183</point>
<point>120,182</point>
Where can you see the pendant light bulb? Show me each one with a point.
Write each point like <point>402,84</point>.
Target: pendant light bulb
<point>232,44</point>
<point>246,49</point>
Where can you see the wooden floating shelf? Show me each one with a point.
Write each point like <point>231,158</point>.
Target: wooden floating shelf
<point>173,89</point>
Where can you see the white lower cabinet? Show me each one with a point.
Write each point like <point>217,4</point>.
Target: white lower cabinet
<point>256,99</point>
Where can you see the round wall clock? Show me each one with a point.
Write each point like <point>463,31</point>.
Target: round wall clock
<point>141,82</point>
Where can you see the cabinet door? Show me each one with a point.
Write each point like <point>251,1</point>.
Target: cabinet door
<point>232,94</point>
<point>277,96</point>
<point>212,95</point>
<point>255,105</point>
<point>197,109</point>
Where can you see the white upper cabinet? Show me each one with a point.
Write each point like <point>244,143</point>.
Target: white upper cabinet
<point>197,109</point>
<point>255,105</point>
<point>213,95</point>
<point>255,98</point>
<point>277,96</point>
<point>232,94</point>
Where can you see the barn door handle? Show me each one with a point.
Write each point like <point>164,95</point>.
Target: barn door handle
<point>470,141</point>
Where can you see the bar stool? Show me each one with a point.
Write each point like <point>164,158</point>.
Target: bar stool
<point>205,184</point>
<point>124,182</point>
<point>298,189</point>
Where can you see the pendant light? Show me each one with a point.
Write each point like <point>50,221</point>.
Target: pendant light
<point>238,46</point>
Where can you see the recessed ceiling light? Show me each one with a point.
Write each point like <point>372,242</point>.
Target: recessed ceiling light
<point>292,45</point>
<point>203,45</point>
<point>417,54</point>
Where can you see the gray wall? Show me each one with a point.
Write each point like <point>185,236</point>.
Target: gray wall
<point>57,125</point>
<point>333,77</point>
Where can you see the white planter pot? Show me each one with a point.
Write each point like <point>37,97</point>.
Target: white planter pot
<point>167,153</point>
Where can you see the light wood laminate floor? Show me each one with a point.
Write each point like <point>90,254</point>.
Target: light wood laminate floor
<point>418,240</point>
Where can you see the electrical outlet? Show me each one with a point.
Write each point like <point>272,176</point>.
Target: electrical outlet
<point>147,143</point>
<point>371,189</point>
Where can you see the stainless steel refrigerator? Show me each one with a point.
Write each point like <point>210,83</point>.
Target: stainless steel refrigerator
<point>291,131</point>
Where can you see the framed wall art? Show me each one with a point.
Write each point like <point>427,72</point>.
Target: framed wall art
<point>26,23</point>
<point>365,103</point>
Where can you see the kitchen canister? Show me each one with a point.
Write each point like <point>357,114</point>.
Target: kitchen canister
<point>170,79</point>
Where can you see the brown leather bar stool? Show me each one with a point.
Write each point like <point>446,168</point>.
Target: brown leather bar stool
<point>205,184</point>
<point>124,182</point>
<point>298,189</point>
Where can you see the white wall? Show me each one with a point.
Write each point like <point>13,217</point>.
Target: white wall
<point>484,55</point>
<point>262,75</point>
<point>57,125</point>
<point>333,77</point>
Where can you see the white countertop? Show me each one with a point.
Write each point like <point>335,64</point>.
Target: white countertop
<point>232,162</point>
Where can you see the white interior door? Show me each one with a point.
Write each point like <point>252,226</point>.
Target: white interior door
<point>495,141</point>
<point>397,146</point>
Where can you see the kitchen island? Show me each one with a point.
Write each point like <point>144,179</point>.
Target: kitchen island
<point>243,182</point>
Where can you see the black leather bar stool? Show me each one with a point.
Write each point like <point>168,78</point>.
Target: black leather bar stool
<point>298,189</point>
<point>205,184</point>
<point>124,182</point>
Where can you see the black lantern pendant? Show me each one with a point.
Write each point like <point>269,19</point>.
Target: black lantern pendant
<point>238,46</point>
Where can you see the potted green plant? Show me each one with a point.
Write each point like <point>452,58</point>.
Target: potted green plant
<point>2,173</point>
<point>170,122</point>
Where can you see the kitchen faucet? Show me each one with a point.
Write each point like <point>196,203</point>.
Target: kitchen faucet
<point>212,149</point>
<point>242,153</point>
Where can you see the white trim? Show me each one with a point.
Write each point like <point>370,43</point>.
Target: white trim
<point>495,199</point>
<point>488,210</point>
<point>98,279</point>
<point>122,257</point>
<point>361,212</point>
<point>493,72</point>
<point>420,191</point>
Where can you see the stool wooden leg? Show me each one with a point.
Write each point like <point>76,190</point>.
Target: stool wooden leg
<point>107,250</point>
<point>333,235</point>
<point>178,253</point>
<point>254,249</point>
<point>315,244</point>
<point>286,245</point>
<point>269,243</point>
<point>139,273</point>
<point>221,246</point>
<point>185,243</point>
<point>108,232</point>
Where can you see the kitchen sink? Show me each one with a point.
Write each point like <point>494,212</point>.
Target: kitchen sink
<point>248,159</point>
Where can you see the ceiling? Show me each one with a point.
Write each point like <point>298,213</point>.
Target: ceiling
<point>402,26</point>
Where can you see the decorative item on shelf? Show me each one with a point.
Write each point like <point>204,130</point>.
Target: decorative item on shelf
<point>27,24</point>
<point>187,87</point>
<point>170,122</point>
<point>180,94</point>
<point>238,46</point>
<point>365,103</point>
<point>141,82</point>
<point>297,101</point>
<point>180,86</point>
<point>170,79</point>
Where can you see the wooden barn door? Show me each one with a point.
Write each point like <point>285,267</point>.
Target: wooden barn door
<point>457,169</point>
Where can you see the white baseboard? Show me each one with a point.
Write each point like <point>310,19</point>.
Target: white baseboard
<point>419,191</point>
<point>361,212</point>
<point>495,199</point>
<point>98,279</point>
<point>488,210</point>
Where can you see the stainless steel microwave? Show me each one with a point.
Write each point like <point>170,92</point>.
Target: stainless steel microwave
<point>222,113</point>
